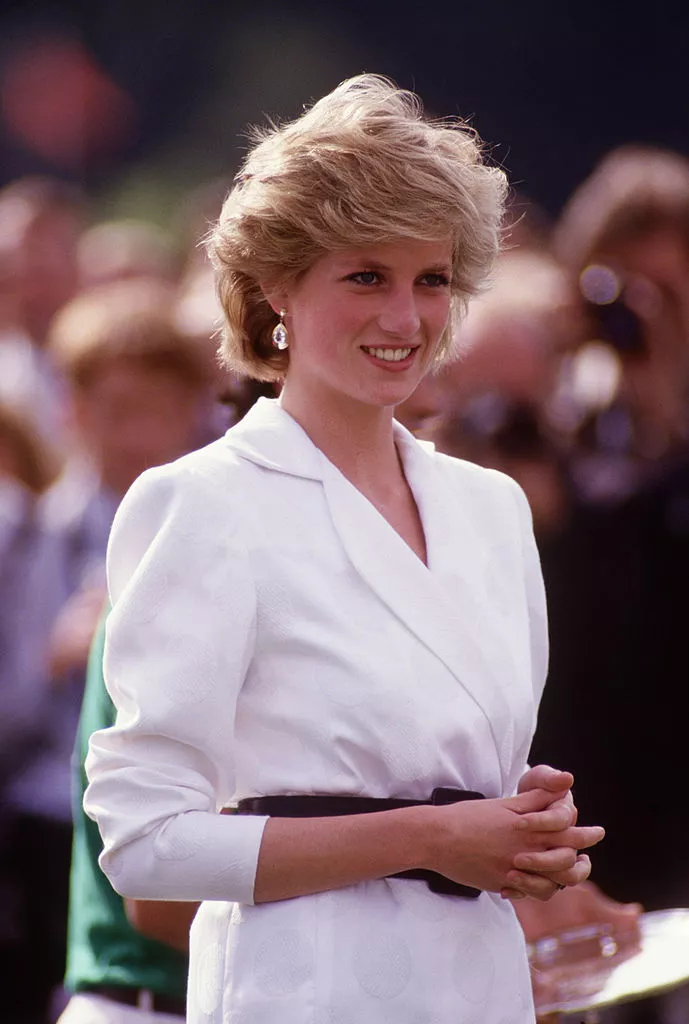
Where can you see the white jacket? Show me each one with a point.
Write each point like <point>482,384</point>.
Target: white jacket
<point>271,633</point>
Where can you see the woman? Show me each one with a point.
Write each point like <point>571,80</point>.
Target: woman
<point>318,605</point>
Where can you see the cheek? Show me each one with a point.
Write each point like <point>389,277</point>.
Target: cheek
<point>304,326</point>
<point>439,322</point>
<point>320,329</point>
<point>435,313</point>
<point>444,311</point>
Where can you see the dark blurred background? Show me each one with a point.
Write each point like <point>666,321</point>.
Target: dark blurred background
<point>121,126</point>
<point>142,99</point>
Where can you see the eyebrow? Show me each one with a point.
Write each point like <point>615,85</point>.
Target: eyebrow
<point>369,264</point>
<point>439,268</point>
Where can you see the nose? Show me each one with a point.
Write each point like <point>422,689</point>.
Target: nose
<point>399,315</point>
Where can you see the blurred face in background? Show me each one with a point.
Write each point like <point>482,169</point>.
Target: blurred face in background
<point>654,382</point>
<point>495,395</point>
<point>131,416</point>
<point>38,250</point>
<point>515,335</point>
<point>662,258</point>
<point>49,265</point>
<point>511,353</point>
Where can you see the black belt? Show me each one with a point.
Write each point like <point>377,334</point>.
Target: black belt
<point>330,806</point>
<point>144,998</point>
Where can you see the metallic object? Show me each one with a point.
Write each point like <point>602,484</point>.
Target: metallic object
<point>578,972</point>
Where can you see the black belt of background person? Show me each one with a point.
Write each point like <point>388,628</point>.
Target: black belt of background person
<point>332,806</point>
<point>143,998</point>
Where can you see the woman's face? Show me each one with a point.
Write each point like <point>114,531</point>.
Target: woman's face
<point>364,324</point>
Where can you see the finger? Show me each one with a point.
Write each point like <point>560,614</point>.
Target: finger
<point>575,875</point>
<point>547,862</point>
<point>543,776</point>
<point>599,903</point>
<point>581,837</point>
<point>512,894</point>
<point>536,886</point>
<point>555,818</point>
<point>627,913</point>
<point>612,910</point>
<point>569,803</point>
<point>530,801</point>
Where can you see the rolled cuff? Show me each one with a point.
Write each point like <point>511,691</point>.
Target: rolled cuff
<point>194,856</point>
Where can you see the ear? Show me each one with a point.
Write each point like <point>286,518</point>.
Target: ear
<point>275,296</point>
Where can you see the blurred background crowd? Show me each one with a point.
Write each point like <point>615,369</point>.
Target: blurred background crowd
<point>573,378</point>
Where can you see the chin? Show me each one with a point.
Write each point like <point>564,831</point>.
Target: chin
<point>393,397</point>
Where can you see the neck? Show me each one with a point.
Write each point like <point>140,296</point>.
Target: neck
<point>355,437</point>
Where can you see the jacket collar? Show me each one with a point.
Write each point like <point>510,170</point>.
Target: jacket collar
<point>270,437</point>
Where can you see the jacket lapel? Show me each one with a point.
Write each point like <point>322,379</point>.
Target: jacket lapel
<point>447,605</point>
<point>463,623</point>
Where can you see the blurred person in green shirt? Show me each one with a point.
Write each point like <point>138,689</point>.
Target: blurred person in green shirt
<point>126,960</point>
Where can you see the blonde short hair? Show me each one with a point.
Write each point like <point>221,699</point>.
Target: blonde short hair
<point>361,167</point>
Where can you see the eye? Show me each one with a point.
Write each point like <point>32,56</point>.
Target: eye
<point>436,279</point>
<point>365,277</point>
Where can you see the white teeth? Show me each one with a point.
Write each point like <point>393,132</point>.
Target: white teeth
<point>390,355</point>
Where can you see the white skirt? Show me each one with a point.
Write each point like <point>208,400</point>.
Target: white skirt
<point>383,952</point>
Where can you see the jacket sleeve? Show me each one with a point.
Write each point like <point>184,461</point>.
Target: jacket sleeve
<point>535,594</point>
<point>180,637</point>
<point>536,608</point>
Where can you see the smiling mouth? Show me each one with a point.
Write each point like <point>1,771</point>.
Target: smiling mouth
<point>389,355</point>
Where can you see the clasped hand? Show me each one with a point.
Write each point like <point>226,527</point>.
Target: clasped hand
<point>526,845</point>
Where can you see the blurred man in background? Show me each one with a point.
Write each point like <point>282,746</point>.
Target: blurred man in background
<point>127,960</point>
<point>41,220</point>
<point>624,235</point>
<point>139,390</point>
<point>581,396</point>
<point>495,399</point>
<point>617,705</point>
